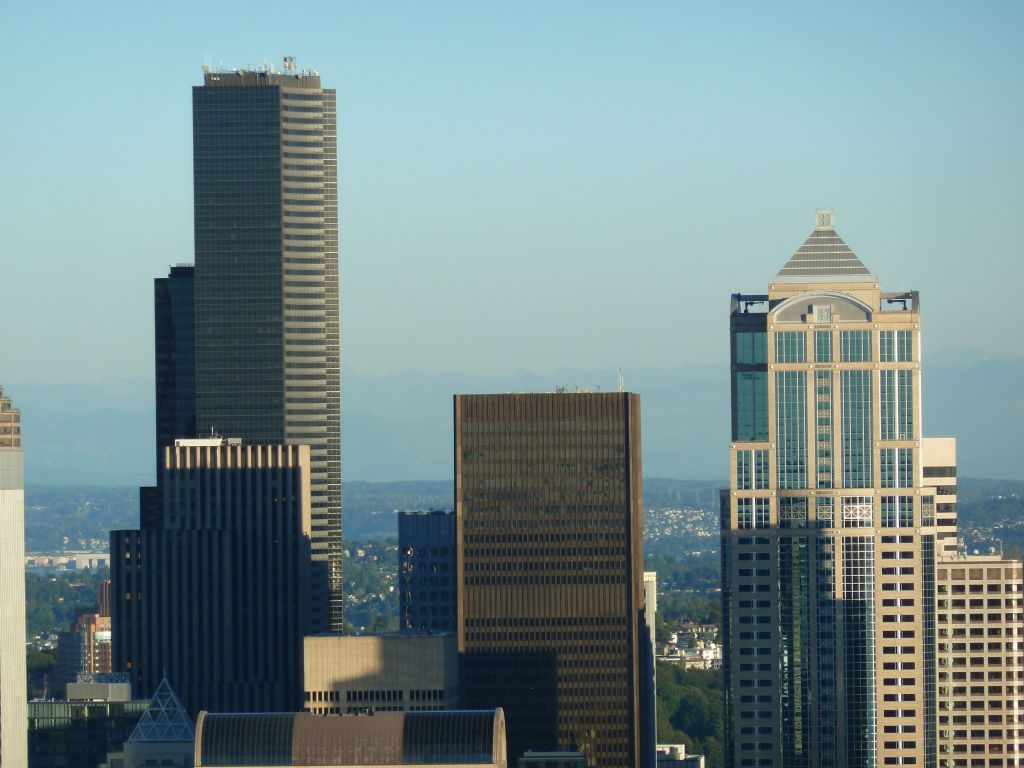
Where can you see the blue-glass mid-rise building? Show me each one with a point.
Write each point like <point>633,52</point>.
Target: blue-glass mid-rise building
<point>266,284</point>
<point>427,571</point>
<point>828,530</point>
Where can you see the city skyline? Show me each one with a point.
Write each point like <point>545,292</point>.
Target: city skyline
<point>500,144</point>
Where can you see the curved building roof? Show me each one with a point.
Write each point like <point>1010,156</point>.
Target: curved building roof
<point>385,738</point>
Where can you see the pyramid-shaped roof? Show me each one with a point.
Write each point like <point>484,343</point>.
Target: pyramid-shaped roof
<point>824,258</point>
<point>165,719</point>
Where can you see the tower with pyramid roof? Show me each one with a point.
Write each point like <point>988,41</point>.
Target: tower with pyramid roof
<point>829,536</point>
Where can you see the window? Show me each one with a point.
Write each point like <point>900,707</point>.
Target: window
<point>750,347</point>
<point>789,347</point>
<point>751,470</point>
<point>823,346</point>
<point>897,404</point>
<point>856,428</point>
<point>750,405</point>
<point>791,428</point>
<point>855,346</point>
<point>895,346</point>
<point>898,511</point>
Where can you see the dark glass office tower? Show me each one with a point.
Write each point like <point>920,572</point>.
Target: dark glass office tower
<point>175,344</point>
<point>266,284</point>
<point>426,571</point>
<point>550,557</point>
<point>213,597</point>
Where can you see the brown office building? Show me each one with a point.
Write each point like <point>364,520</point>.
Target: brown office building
<point>550,565</point>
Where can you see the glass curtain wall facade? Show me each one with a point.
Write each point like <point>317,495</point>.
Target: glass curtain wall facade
<point>549,522</point>
<point>828,571</point>
<point>266,284</point>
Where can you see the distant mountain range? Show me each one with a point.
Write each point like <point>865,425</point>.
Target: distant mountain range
<point>398,426</point>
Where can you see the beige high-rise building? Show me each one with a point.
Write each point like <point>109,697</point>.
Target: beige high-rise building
<point>13,685</point>
<point>981,662</point>
<point>828,546</point>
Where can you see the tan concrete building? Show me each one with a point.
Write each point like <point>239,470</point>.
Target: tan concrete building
<point>380,673</point>
<point>981,662</point>
<point>424,739</point>
<point>828,546</point>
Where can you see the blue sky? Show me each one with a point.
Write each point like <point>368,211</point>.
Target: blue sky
<point>529,185</point>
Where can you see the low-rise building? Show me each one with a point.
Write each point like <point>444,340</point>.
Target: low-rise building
<point>422,739</point>
<point>674,756</point>
<point>346,674</point>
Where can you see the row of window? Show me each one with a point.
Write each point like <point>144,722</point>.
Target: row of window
<point>751,347</point>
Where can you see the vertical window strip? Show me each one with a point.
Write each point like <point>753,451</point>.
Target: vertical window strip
<point>905,404</point>
<point>823,346</point>
<point>905,468</point>
<point>856,429</point>
<point>905,346</point>
<point>823,512</point>
<point>761,470</point>
<point>743,470</point>
<point>889,405</point>
<point>887,346</point>
<point>823,427</point>
<point>762,513</point>
<point>791,428</point>
<point>887,467</point>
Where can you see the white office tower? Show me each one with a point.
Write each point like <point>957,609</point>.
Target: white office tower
<point>13,694</point>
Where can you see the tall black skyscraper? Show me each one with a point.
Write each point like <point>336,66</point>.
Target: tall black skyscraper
<point>174,304</point>
<point>266,284</point>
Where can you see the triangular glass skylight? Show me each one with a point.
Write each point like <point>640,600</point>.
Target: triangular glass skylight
<point>165,719</point>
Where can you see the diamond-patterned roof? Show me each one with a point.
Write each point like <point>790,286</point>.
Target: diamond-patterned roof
<point>824,258</point>
<point>165,719</point>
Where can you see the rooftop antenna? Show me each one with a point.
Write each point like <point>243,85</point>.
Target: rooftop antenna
<point>289,63</point>
<point>622,381</point>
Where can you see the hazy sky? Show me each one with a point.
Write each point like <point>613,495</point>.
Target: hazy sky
<point>525,185</point>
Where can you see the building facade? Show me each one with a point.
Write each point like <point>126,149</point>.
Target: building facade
<point>426,571</point>
<point>175,357</point>
<point>939,458</point>
<point>364,674</point>
<point>266,284</point>
<point>549,522</point>
<point>981,661</point>
<point>13,673</point>
<point>828,537</point>
<point>215,599</point>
